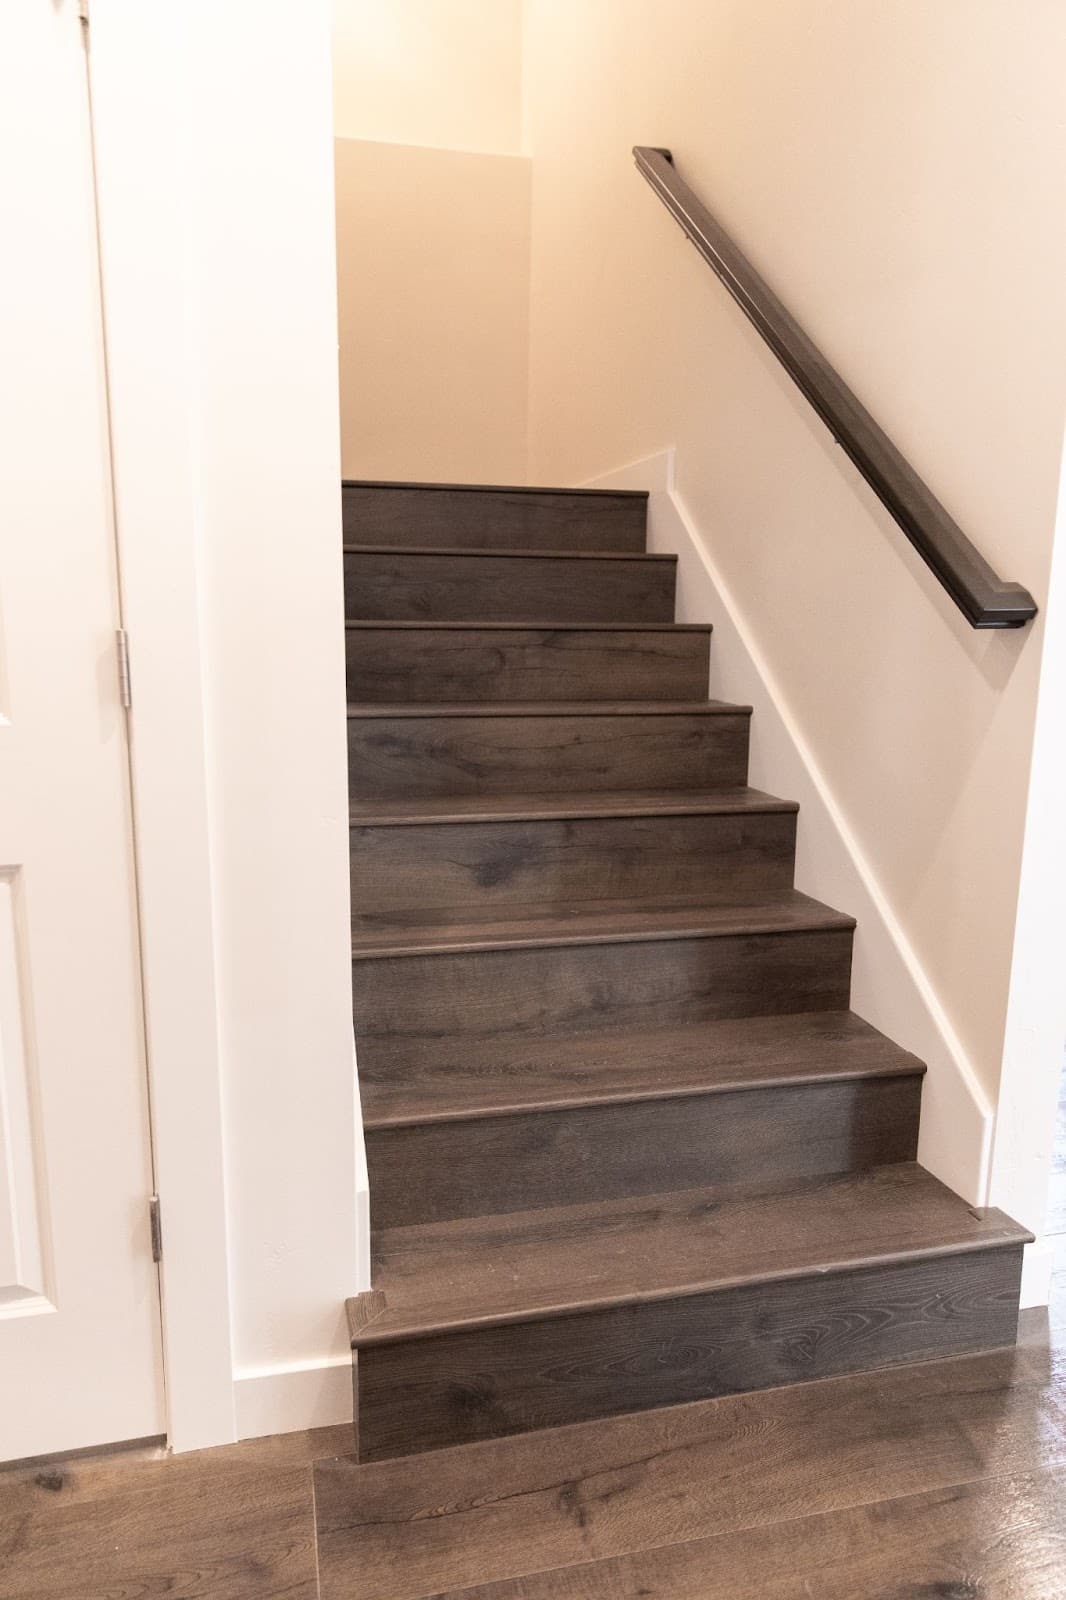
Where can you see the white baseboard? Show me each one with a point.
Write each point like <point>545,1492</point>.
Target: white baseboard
<point>287,1399</point>
<point>1038,1265</point>
<point>889,986</point>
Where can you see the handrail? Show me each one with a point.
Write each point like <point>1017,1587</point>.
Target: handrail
<point>984,599</point>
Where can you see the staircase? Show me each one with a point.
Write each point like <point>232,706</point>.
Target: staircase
<point>628,1146</point>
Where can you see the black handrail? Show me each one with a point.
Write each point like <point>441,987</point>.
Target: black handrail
<point>984,599</point>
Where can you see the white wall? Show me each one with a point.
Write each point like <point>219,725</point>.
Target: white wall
<point>890,170</point>
<point>274,632</point>
<point>219,272</point>
<point>446,73</point>
<point>433,239</point>
<point>1036,1012</point>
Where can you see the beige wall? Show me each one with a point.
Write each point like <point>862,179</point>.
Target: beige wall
<point>432,239</point>
<point>433,72</point>
<point>892,171</point>
<point>433,291</point>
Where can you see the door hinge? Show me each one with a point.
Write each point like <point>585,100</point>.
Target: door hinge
<point>156,1227</point>
<point>122,641</point>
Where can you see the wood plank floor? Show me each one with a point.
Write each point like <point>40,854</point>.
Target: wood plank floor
<point>944,1481</point>
<point>229,1524</point>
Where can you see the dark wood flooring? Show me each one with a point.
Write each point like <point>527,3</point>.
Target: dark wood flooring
<point>940,1481</point>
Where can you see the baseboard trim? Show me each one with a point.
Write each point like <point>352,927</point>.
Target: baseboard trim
<point>288,1399</point>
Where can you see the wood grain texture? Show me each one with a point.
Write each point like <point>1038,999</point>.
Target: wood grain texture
<point>493,1381</point>
<point>493,518</point>
<point>547,753</point>
<point>438,930</point>
<point>439,1277</point>
<point>465,585</point>
<point>438,1523</point>
<point>510,994</point>
<point>388,662</point>
<point>461,1077</point>
<point>1005,1540</point>
<point>494,866</point>
<point>229,1524</point>
<point>434,1171</point>
<point>424,810</point>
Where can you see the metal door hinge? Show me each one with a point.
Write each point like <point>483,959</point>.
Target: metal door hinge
<point>156,1227</point>
<point>122,640</point>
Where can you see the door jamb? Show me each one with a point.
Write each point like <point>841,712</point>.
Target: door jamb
<point>138,123</point>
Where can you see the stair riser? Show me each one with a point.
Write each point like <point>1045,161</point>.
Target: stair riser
<point>392,586</point>
<point>486,1383</point>
<point>411,757</point>
<point>494,994</point>
<point>491,664</point>
<point>492,519</point>
<point>495,866</point>
<point>439,1171</point>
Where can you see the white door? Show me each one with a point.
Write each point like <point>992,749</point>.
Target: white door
<point>79,1311</point>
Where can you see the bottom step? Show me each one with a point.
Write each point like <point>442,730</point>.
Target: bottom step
<point>499,1325</point>
<point>860,1474</point>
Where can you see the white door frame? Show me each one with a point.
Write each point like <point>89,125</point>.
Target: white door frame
<point>218,295</point>
<point>138,123</point>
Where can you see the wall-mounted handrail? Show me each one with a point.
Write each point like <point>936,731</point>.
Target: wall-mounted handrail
<point>984,598</point>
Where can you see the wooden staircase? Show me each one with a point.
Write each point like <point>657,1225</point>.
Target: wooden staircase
<point>628,1145</point>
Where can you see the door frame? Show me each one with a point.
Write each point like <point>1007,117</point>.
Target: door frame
<point>201,191</point>
<point>137,126</point>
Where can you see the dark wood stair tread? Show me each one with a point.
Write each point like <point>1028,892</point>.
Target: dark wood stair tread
<point>467,1079</point>
<point>548,708</point>
<point>604,921</point>
<point>407,623</point>
<point>476,553</point>
<point>531,489</point>
<point>533,1265</point>
<point>425,810</point>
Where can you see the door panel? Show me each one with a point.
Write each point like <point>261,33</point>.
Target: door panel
<point>79,1317</point>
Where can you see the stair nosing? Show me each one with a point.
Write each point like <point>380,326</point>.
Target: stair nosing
<point>494,488</point>
<point>612,804</point>
<point>912,1068</point>
<point>384,709</point>
<point>492,551</point>
<point>813,1268</point>
<point>546,625</point>
<point>830,921</point>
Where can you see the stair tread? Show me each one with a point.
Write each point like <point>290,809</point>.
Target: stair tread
<point>531,627</point>
<point>527,1266</point>
<point>604,921</point>
<point>459,928</point>
<point>547,708</point>
<point>496,488</point>
<point>499,553</point>
<point>467,1079</point>
<point>559,807</point>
